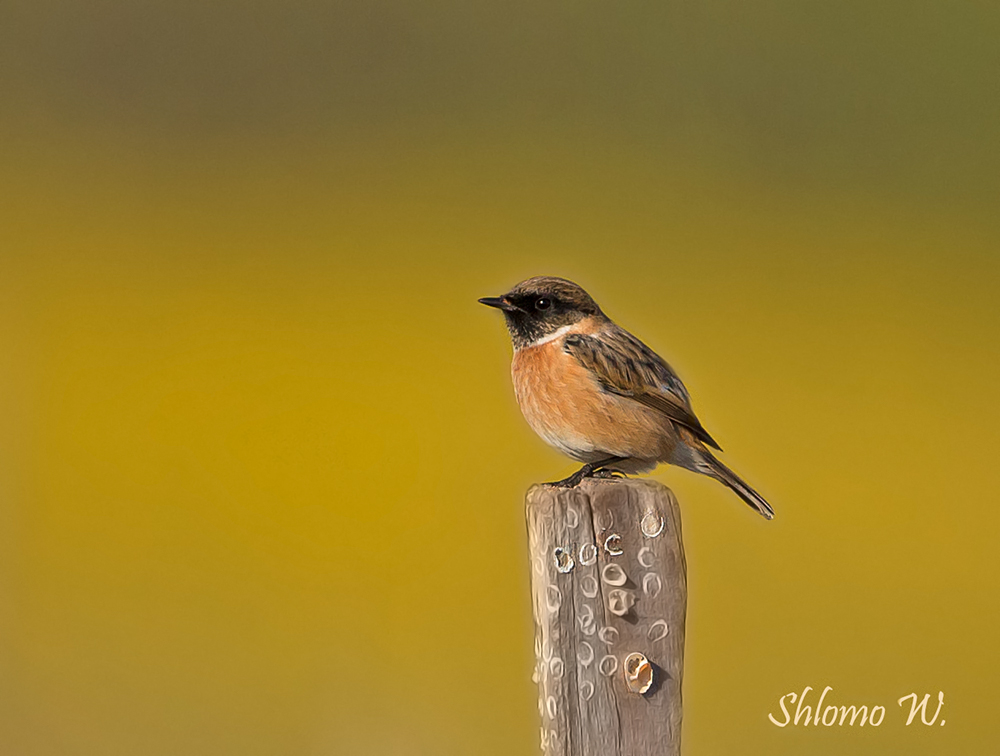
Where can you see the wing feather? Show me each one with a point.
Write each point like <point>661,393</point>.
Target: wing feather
<point>627,367</point>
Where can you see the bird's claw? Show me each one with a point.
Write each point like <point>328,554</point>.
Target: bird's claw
<point>571,482</point>
<point>576,478</point>
<point>608,474</point>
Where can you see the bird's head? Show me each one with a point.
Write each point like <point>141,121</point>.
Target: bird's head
<point>540,306</point>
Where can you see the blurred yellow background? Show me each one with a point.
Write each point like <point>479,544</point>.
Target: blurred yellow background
<point>261,468</point>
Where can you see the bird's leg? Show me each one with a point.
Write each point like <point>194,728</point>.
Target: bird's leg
<point>573,480</point>
<point>608,474</point>
<point>591,469</point>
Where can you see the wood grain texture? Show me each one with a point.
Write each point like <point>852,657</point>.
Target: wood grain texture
<point>608,579</point>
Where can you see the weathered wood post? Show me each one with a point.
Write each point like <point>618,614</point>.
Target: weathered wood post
<point>609,594</point>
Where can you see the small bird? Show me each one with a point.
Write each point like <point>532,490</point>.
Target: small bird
<point>596,393</point>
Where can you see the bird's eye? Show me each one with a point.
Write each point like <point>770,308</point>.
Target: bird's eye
<point>542,303</point>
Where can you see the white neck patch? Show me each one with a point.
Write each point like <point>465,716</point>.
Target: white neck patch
<point>557,334</point>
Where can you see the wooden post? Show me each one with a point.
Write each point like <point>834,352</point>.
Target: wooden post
<point>609,594</point>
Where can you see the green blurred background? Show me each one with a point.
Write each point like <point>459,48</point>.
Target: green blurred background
<point>261,468</point>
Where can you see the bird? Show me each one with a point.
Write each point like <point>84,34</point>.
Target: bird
<point>598,394</point>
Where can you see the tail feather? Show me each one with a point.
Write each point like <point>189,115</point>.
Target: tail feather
<point>723,474</point>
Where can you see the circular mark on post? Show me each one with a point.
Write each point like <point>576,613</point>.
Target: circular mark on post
<point>572,517</point>
<point>638,673</point>
<point>614,575</point>
<point>588,554</point>
<point>652,524</point>
<point>646,557</point>
<point>553,598</point>
<point>620,602</point>
<point>585,654</point>
<point>658,630</point>
<point>558,667</point>
<point>613,545</point>
<point>608,665</point>
<point>564,559</point>
<point>651,584</point>
<point>599,521</point>
<point>550,706</point>
<point>608,635</point>
<point>586,619</point>
<point>589,586</point>
<point>587,624</point>
<point>587,690</point>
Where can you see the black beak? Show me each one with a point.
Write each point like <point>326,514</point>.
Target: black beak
<point>500,303</point>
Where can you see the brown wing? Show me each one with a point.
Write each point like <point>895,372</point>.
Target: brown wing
<point>627,367</point>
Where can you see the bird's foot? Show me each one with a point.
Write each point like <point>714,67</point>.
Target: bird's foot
<point>608,474</point>
<point>571,482</point>
<point>598,469</point>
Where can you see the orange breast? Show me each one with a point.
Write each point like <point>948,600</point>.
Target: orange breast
<point>565,405</point>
